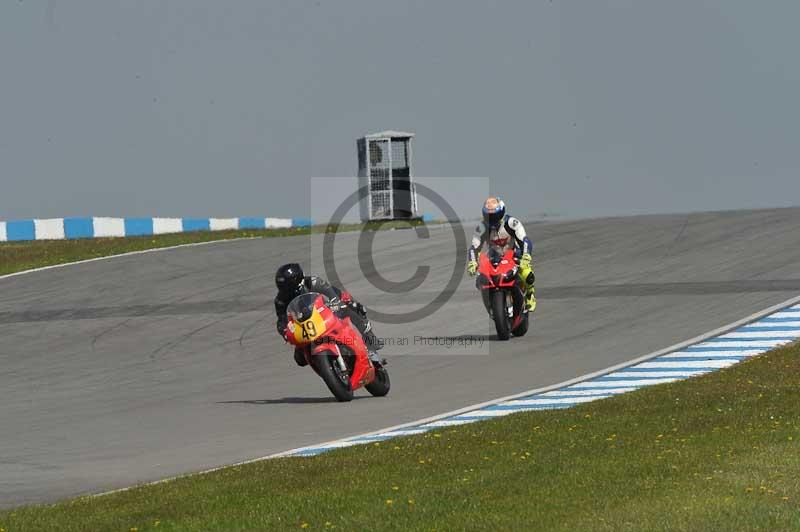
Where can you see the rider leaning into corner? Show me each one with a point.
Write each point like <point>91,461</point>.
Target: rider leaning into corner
<point>291,282</point>
<point>503,232</point>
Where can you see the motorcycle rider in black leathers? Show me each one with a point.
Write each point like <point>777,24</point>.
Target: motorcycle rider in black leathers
<point>291,282</point>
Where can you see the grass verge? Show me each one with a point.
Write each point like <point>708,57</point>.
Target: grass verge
<point>718,452</point>
<point>20,256</point>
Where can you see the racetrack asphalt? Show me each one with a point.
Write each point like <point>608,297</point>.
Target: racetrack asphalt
<point>142,367</point>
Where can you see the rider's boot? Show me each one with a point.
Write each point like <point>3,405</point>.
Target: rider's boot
<point>527,278</point>
<point>373,345</point>
<point>373,342</point>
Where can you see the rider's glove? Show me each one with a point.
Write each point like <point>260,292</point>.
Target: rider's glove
<point>359,308</point>
<point>472,267</point>
<point>525,261</point>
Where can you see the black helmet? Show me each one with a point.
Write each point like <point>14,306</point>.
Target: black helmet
<point>289,278</point>
<point>494,211</point>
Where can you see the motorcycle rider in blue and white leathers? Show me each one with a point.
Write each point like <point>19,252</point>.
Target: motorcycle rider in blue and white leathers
<point>502,232</point>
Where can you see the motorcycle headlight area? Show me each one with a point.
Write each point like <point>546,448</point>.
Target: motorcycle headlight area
<point>300,317</point>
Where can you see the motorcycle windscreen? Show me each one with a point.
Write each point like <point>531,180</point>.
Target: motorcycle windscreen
<point>301,307</point>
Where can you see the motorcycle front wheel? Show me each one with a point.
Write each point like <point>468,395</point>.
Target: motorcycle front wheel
<point>328,369</point>
<point>500,312</point>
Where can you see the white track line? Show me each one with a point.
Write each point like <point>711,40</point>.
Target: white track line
<point>592,393</point>
<point>486,414</point>
<point>787,314</point>
<point>789,335</point>
<point>754,343</point>
<point>693,364</point>
<point>773,324</point>
<point>653,374</point>
<point>555,400</point>
<point>712,354</point>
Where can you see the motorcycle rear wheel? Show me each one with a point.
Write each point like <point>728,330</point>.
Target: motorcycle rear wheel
<point>501,322</point>
<point>328,369</point>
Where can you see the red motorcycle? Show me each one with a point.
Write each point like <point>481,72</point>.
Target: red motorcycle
<point>333,347</point>
<point>502,294</point>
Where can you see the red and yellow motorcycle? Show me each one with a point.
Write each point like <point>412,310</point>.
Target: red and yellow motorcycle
<point>333,347</point>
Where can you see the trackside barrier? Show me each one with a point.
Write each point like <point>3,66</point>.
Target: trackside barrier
<point>97,227</point>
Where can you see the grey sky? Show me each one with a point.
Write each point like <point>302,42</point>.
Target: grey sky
<point>575,107</point>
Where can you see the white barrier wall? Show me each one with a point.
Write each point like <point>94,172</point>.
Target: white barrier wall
<point>50,229</point>
<point>222,224</point>
<point>162,226</point>
<point>70,228</point>
<point>109,227</point>
<point>278,223</point>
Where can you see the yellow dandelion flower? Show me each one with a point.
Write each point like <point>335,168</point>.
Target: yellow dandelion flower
<point>395,488</point>
<point>389,502</point>
<point>304,525</point>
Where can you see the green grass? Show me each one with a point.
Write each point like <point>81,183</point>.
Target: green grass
<point>20,256</point>
<point>718,452</point>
